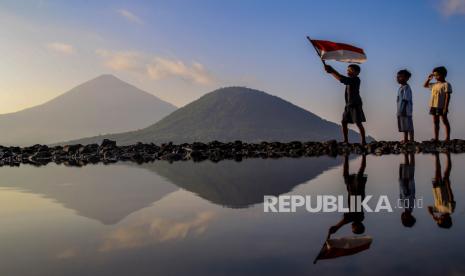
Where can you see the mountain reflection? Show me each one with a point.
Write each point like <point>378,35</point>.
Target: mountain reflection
<point>104,193</point>
<point>242,184</point>
<point>169,219</point>
<point>110,193</point>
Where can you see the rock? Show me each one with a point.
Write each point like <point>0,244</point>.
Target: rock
<point>109,152</point>
<point>70,149</point>
<point>42,148</point>
<point>198,146</point>
<point>16,150</point>
<point>91,148</point>
<point>108,143</point>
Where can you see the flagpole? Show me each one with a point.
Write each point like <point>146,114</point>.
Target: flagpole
<point>316,50</point>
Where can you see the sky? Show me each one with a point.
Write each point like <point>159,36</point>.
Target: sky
<point>180,50</point>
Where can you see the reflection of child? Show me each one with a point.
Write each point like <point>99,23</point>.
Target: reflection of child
<point>355,184</point>
<point>444,204</point>
<point>407,189</point>
<point>441,91</point>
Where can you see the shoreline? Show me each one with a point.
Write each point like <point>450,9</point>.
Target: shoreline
<point>109,152</point>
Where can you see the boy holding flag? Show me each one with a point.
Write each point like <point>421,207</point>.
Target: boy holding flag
<point>353,111</point>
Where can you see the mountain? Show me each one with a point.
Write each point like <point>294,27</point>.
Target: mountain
<point>233,113</point>
<point>102,105</point>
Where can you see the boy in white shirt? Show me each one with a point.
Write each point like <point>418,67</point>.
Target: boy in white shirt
<point>405,106</point>
<point>441,91</point>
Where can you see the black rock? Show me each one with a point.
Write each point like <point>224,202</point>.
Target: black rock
<point>108,143</point>
<point>70,149</point>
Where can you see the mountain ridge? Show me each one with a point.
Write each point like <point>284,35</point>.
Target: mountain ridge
<point>233,113</point>
<point>104,104</point>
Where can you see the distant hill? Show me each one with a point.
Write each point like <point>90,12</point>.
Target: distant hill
<point>102,105</point>
<point>233,113</point>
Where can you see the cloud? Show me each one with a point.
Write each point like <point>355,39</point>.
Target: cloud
<point>122,60</point>
<point>161,68</point>
<point>452,7</point>
<point>62,48</point>
<point>146,230</point>
<point>130,16</point>
<point>67,254</point>
<point>156,68</point>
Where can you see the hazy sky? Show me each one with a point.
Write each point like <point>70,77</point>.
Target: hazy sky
<point>179,50</point>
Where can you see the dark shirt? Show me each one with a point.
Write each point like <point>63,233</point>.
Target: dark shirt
<point>355,184</point>
<point>352,93</point>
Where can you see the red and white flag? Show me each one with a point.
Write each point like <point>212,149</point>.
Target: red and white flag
<point>329,50</point>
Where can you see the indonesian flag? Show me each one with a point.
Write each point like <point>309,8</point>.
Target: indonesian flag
<point>329,50</point>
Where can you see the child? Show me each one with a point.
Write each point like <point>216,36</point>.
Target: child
<point>353,111</point>
<point>405,106</point>
<point>441,91</point>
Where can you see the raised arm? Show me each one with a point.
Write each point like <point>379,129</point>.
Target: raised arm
<point>330,70</point>
<point>428,80</point>
<point>333,229</point>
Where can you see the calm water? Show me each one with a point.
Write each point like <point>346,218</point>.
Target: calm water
<point>207,219</point>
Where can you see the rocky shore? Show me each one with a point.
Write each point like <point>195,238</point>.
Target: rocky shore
<point>109,152</point>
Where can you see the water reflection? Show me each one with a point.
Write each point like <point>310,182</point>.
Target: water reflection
<point>242,184</point>
<point>343,246</point>
<point>135,220</point>
<point>147,227</point>
<point>110,193</point>
<point>407,189</point>
<point>444,203</point>
<point>104,193</point>
<point>355,185</point>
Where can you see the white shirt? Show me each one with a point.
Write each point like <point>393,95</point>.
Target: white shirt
<point>404,94</point>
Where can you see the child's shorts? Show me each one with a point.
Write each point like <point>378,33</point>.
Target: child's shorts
<point>437,111</point>
<point>353,114</point>
<point>405,123</point>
